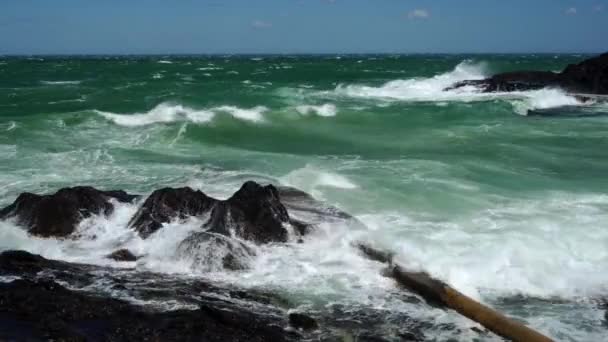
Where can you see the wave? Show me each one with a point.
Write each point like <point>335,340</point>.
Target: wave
<point>327,109</point>
<point>169,112</point>
<point>418,89</point>
<point>543,99</point>
<point>433,90</point>
<point>60,82</point>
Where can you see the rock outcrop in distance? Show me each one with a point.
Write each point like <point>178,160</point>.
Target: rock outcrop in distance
<point>587,77</point>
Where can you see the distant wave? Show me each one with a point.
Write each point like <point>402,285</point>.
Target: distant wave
<point>327,109</point>
<point>432,89</point>
<point>169,112</point>
<point>60,82</point>
<point>418,89</point>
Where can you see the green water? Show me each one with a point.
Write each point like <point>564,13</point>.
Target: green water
<point>461,184</point>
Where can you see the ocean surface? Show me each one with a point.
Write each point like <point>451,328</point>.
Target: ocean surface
<point>508,208</point>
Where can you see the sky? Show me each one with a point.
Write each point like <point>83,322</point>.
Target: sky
<point>302,26</point>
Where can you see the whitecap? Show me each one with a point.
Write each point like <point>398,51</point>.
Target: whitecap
<point>60,82</point>
<point>163,113</point>
<point>327,109</point>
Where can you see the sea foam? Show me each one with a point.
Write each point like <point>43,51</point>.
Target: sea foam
<point>169,112</point>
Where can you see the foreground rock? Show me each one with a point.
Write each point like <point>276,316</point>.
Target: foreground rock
<point>39,301</point>
<point>58,215</point>
<point>36,308</point>
<point>587,77</point>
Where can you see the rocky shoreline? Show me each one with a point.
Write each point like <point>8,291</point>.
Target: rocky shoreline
<point>42,299</point>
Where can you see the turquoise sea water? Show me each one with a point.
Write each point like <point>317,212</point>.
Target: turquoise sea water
<point>510,209</point>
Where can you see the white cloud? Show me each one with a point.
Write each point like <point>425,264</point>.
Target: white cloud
<point>598,8</point>
<point>419,14</point>
<point>260,24</point>
<point>571,11</point>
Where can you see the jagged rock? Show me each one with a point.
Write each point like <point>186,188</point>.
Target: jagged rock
<point>58,215</point>
<point>254,212</point>
<point>122,255</point>
<point>213,252</point>
<point>302,321</point>
<point>167,204</point>
<point>587,77</point>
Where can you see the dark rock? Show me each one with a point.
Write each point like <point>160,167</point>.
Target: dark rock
<point>58,215</point>
<point>253,213</point>
<point>212,252</point>
<point>44,310</point>
<point>302,321</point>
<point>122,255</point>
<point>167,204</point>
<point>588,77</point>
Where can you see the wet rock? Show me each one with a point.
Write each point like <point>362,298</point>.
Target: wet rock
<point>58,215</point>
<point>253,213</point>
<point>213,252</point>
<point>587,77</point>
<point>44,310</point>
<point>168,204</point>
<point>302,321</point>
<point>122,255</point>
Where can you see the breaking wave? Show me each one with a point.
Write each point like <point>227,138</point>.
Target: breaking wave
<point>327,109</point>
<point>433,89</point>
<point>168,112</point>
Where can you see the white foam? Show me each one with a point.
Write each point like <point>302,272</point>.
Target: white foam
<point>543,99</point>
<point>60,82</point>
<point>312,180</point>
<point>541,248</point>
<point>163,113</point>
<point>419,89</point>
<point>252,114</point>
<point>164,62</point>
<point>327,109</point>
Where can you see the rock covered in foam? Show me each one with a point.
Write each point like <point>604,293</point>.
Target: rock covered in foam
<point>213,252</point>
<point>588,77</point>
<point>122,255</point>
<point>57,215</point>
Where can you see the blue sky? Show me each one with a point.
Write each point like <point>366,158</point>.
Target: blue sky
<point>301,26</point>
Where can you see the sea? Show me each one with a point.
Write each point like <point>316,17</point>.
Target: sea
<point>508,208</point>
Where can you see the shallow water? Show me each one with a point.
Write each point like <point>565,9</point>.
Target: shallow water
<point>460,184</point>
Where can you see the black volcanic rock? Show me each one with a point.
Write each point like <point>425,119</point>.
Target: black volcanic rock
<point>168,204</point>
<point>58,215</point>
<point>587,77</point>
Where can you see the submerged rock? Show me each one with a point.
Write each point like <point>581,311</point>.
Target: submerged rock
<point>587,77</point>
<point>122,255</point>
<point>57,215</point>
<point>213,252</point>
